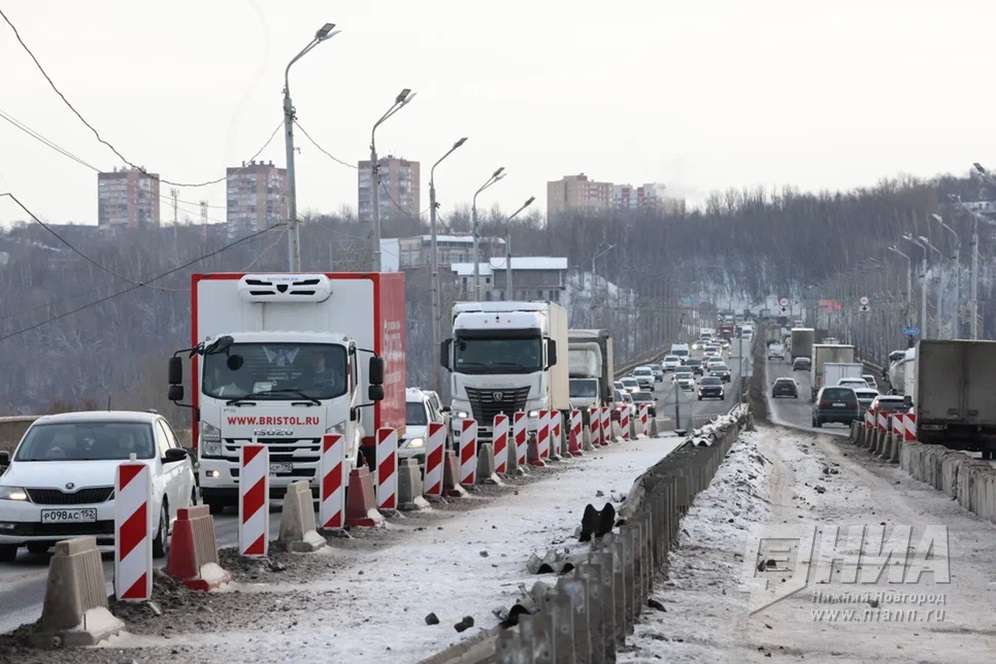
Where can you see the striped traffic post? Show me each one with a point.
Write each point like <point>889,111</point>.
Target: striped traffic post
<point>909,430</point>
<point>624,422</point>
<point>499,436</point>
<point>595,426</point>
<point>883,423</point>
<point>468,452</point>
<point>898,426</point>
<point>606,427</point>
<point>556,431</point>
<point>332,507</point>
<point>644,420</point>
<point>133,521</point>
<point>434,455</point>
<point>254,495</point>
<point>574,442</point>
<point>543,436</point>
<point>387,469</point>
<point>519,421</point>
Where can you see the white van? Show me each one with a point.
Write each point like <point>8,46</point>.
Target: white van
<point>681,350</point>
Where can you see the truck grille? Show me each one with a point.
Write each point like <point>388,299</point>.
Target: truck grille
<point>89,496</point>
<point>485,404</point>
<point>296,450</point>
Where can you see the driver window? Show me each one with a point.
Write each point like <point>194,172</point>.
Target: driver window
<point>170,436</point>
<point>162,442</point>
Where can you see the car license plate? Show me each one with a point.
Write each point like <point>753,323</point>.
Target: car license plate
<point>281,468</point>
<point>839,404</point>
<point>70,515</point>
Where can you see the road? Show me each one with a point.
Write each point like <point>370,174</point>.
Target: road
<point>795,413</point>
<point>691,412</point>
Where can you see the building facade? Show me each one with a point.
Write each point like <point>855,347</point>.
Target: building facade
<point>127,198</point>
<point>256,197</point>
<point>533,278</point>
<point>577,193</point>
<point>400,189</point>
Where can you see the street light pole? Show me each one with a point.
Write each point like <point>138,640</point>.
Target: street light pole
<point>497,175</point>
<point>405,96</point>
<point>923,284</point>
<point>909,282</point>
<point>327,31</point>
<point>594,280</point>
<point>509,287</point>
<point>956,259</point>
<point>434,266</point>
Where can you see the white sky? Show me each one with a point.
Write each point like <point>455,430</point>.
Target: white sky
<point>704,95</point>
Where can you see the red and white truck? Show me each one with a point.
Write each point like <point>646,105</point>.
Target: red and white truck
<point>285,358</point>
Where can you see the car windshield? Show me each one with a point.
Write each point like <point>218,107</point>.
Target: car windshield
<point>672,358</point>
<point>643,396</point>
<point>499,355</point>
<point>891,404</point>
<point>284,371</point>
<point>87,441</point>
<point>584,388</point>
<point>692,363</point>
<point>684,376</point>
<point>643,372</point>
<point>784,381</point>
<point>710,380</point>
<point>415,413</point>
<point>629,381</point>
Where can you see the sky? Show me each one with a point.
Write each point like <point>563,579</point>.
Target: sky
<point>702,95</point>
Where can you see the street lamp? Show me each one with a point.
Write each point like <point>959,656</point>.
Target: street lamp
<point>594,281</point>
<point>923,282</point>
<point>495,177</point>
<point>509,287</point>
<point>402,100</point>
<point>909,279</point>
<point>434,260</point>
<point>325,32</point>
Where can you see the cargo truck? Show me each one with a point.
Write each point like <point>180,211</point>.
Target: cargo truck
<point>590,365</point>
<point>955,402</point>
<point>504,357</point>
<point>834,371</point>
<point>822,355</point>
<point>802,342</point>
<point>283,359</point>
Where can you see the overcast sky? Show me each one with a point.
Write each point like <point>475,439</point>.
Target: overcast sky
<point>702,95</point>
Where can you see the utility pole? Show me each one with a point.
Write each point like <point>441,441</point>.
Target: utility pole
<point>975,276</point>
<point>294,231</point>
<point>497,175</point>
<point>174,194</point>
<point>434,262</point>
<point>677,406</point>
<point>405,96</point>
<point>509,292</point>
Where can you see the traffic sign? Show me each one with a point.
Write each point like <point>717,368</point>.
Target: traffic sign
<point>863,300</point>
<point>864,308</point>
<point>911,331</point>
<point>784,301</point>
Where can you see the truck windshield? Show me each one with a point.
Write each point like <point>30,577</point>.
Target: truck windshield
<point>497,356</point>
<point>276,371</point>
<point>86,441</point>
<point>584,388</point>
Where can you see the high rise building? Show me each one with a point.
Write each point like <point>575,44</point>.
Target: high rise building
<point>400,189</point>
<point>256,197</point>
<point>578,193</point>
<point>127,198</point>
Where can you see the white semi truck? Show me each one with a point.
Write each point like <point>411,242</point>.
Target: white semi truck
<point>590,363</point>
<point>504,357</point>
<point>283,359</point>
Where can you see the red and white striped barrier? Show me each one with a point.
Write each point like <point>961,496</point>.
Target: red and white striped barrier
<point>133,521</point>
<point>595,426</point>
<point>909,430</point>
<point>332,507</point>
<point>574,440</point>
<point>606,428</point>
<point>387,469</point>
<point>499,437</point>
<point>254,500</point>
<point>543,435</point>
<point>624,422</point>
<point>898,427</point>
<point>468,452</point>
<point>519,437</point>
<point>869,420</point>
<point>556,433</point>
<point>435,453</point>
<point>645,420</point>
<point>883,423</point>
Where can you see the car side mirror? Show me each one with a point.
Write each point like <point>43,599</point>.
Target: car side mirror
<point>4,458</point>
<point>176,392</point>
<point>444,353</point>
<point>375,393</point>
<point>174,454</point>
<point>175,371</point>
<point>551,353</point>
<point>376,371</point>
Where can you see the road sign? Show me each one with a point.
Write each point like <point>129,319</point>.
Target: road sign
<point>863,300</point>
<point>784,301</point>
<point>864,308</point>
<point>911,331</point>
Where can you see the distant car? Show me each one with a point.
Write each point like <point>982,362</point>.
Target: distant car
<point>419,412</point>
<point>801,364</point>
<point>724,344</point>
<point>685,380</point>
<point>628,402</point>
<point>711,387</point>
<point>853,383</point>
<point>671,362</point>
<point>645,399</point>
<point>888,403</point>
<point>870,379</point>
<point>644,377</point>
<point>658,372</point>
<point>618,385</point>
<point>694,365</point>
<point>835,404</point>
<point>720,370</point>
<point>630,384</point>
<point>711,356</point>
<point>866,395</point>
<point>785,387</point>
<point>776,351</point>
<point>60,482</point>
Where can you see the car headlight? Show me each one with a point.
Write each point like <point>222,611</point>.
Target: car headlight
<point>415,442</point>
<point>13,493</point>
<point>534,413</point>
<point>462,414</point>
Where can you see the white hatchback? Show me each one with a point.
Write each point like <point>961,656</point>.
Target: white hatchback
<point>60,481</point>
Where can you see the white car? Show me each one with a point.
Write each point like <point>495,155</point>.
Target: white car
<point>853,383</point>
<point>685,380</point>
<point>645,377</point>
<point>420,410</point>
<point>60,481</point>
<point>671,363</point>
<point>630,384</point>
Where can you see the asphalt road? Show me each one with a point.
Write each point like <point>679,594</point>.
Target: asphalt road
<point>795,413</point>
<point>691,412</point>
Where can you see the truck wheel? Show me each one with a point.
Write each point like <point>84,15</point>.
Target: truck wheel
<point>8,553</point>
<point>215,506</point>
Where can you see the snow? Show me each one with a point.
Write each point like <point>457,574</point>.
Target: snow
<point>461,563</point>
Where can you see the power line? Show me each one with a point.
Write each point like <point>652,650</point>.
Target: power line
<point>141,284</point>
<point>323,150</point>
<point>93,129</point>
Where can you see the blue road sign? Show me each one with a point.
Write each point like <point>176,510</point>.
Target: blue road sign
<point>912,331</point>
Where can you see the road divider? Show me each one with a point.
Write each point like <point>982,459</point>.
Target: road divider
<point>133,520</point>
<point>361,506</point>
<point>410,487</point>
<point>332,498</point>
<point>254,492</point>
<point>298,531</point>
<point>193,550</point>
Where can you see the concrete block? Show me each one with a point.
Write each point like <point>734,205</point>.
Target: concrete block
<point>586,443</point>
<point>410,486</point>
<point>951,464</point>
<point>654,430</point>
<point>193,550</point>
<point>451,474</point>
<point>298,530</point>
<point>361,508</point>
<point>575,588</point>
<point>75,610</point>
<point>599,614</point>
<point>486,464</point>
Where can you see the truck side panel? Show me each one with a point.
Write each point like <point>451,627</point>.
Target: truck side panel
<point>391,346</point>
<point>980,383</point>
<point>941,372</point>
<point>560,388</point>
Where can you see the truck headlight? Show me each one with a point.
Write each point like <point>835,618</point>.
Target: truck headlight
<point>415,442</point>
<point>533,413</point>
<point>210,440</point>
<point>13,493</point>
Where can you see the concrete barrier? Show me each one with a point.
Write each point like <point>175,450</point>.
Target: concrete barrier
<point>410,487</point>
<point>75,611</point>
<point>193,550</point>
<point>298,529</point>
<point>486,465</point>
<point>451,474</point>
<point>361,507</point>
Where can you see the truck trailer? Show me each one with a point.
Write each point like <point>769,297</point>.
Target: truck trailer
<point>802,339</point>
<point>822,355</point>
<point>591,368</point>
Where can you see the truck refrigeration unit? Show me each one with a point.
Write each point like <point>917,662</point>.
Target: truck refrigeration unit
<point>504,357</point>
<point>283,359</point>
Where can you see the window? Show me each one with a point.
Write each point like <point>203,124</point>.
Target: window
<point>162,441</point>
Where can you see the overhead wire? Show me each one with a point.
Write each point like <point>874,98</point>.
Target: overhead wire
<point>323,150</point>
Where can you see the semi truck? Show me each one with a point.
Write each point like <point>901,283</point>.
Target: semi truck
<point>822,355</point>
<point>955,402</point>
<point>802,339</point>
<point>590,366</point>
<point>282,359</point>
<point>504,357</point>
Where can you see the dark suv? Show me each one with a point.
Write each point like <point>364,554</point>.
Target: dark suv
<point>785,387</point>
<point>835,404</point>
<point>695,366</point>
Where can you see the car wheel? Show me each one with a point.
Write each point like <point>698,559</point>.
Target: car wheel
<point>8,553</point>
<point>160,545</point>
<point>38,548</point>
<point>817,423</point>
